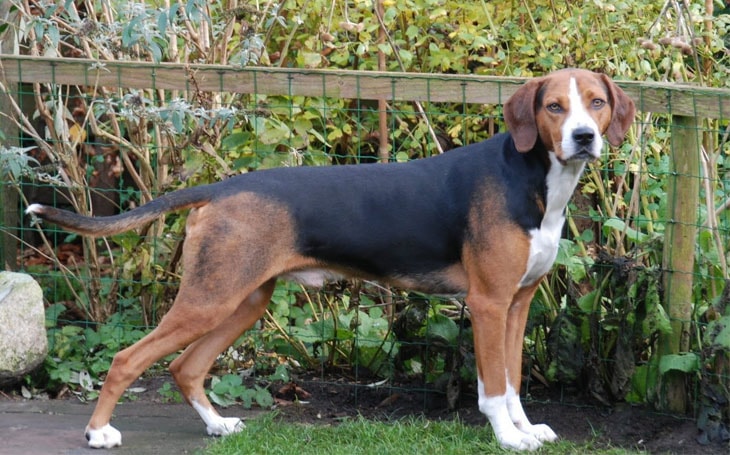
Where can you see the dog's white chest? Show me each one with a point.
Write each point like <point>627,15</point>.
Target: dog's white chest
<point>543,251</point>
<point>544,241</point>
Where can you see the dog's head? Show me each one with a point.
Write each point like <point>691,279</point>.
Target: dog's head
<point>569,110</point>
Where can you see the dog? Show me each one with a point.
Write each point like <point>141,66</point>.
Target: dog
<point>482,221</point>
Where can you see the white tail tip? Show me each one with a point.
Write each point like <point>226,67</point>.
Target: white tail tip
<point>34,209</point>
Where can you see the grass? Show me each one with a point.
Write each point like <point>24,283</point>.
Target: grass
<point>269,435</point>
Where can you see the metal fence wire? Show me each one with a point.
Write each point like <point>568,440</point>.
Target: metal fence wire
<point>637,296</point>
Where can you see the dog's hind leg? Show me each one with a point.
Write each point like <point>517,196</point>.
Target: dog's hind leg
<point>191,367</point>
<point>216,277</point>
<point>192,316</point>
<point>229,254</point>
<point>177,329</point>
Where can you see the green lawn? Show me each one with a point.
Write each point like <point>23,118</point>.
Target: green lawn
<point>268,435</point>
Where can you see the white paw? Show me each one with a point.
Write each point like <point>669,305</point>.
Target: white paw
<point>542,432</point>
<point>517,440</point>
<point>223,426</point>
<point>105,437</point>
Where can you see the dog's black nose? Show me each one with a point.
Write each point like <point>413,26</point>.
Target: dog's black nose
<point>583,135</point>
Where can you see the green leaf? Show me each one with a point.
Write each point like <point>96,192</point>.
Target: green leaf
<point>620,225</point>
<point>162,22</point>
<point>402,157</point>
<point>263,397</point>
<point>71,330</point>
<point>687,362</point>
<point>281,374</point>
<point>54,35</point>
<point>412,32</point>
<point>406,56</point>
<point>311,59</point>
<point>53,312</point>
<point>390,15</point>
<point>718,333</point>
<point>275,132</point>
<point>637,393</point>
<point>442,329</point>
<point>314,132</point>
<point>92,337</point>
<point>324,329</point>
<point>657,320</point>
<point>586,302</point>
<point>385,48</point>
<point>247,398</point>
<point>220,400</point>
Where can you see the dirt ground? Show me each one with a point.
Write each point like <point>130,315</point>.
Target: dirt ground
<point>328,401</point>
<point>572,419</point>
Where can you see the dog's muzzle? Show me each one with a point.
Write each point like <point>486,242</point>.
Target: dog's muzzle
<point>583,155</point>
<point>584,141</point>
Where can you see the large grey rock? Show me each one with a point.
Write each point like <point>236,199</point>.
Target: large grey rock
<point>23,342</point>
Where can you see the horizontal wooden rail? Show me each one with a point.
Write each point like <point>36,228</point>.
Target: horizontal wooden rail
<point>656,97</point>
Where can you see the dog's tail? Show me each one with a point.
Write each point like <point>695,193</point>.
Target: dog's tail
<point>110,225</point>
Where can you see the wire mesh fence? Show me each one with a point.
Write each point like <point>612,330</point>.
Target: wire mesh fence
<point>637,293</point>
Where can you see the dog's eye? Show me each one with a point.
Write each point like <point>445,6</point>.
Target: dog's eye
<point>598,103</point>
<point>554,107</point>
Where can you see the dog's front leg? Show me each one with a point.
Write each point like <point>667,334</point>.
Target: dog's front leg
<point>489,316</point>
<point>516,321</point>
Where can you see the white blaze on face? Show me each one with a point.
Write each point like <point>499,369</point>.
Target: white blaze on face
<point>578,117</point>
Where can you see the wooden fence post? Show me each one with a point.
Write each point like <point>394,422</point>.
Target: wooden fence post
<point>9,215</point>
<point>683,191</point>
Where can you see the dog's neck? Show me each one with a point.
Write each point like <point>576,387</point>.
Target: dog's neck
<point>560,182</point>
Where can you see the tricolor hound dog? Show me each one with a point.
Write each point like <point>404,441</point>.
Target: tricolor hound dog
<point>483,220</point>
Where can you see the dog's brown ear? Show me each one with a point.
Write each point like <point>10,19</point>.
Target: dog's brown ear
<point>622,112</point>
<point>519,114</point>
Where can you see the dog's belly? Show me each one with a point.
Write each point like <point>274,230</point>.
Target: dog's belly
<point>315,278</point>
<point>449,281</point>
